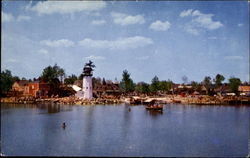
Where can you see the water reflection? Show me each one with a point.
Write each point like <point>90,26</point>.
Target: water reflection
<point>155,112</point>
<point>53,108</point>
<point>178,131</point>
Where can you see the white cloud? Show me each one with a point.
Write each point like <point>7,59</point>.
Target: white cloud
<point>186,12</point>
<point>191,29</point>
<point>58,43</point>
<point>205,21</point>
<point>7,17</point>
<point>92,57</point>
<point>23,18</point>
<point>233,57</point>
<point>199,21</point>
<point>65,7</point>
<point>124,19</point>
<point>160,26</point>
<point>121,43</point>
<point>98,22</point>
<point>43,51</point>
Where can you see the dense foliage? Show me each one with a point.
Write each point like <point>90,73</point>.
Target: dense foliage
<point>218,79</point>
<point>234,84</point>
<point>70,79</point>
<point>7,81</point>
<point>127,84</point>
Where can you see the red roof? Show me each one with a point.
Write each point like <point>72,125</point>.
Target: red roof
<point>244,88</point>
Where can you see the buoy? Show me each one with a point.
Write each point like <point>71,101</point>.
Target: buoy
<point>63,125</point>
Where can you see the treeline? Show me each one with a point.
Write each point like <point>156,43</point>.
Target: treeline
<point>127,85</point>
<point>56,75</point>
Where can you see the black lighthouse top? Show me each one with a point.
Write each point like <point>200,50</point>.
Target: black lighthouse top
<point>88,69</point>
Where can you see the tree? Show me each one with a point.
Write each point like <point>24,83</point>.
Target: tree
<point>103,81</point>
<point>127,84</point>
<point>218,80</point>
<point>234,84</point>
<point>155,84</point>
<point>165,85</point>
<point>51,75</point>
<point>15,78</point>
<point>80,77</point>
<point>61,74</point>
<point>194,84</point>
<point>207,83</point>
<point>142,87</point>
<point>70,79</point>
<point>6,81</point>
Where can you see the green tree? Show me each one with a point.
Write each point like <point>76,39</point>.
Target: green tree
<point>155,85</point>
<point>127,84</point>
<point>80,77</point>
<point>51,75</point>
<point>165,86</point>
<point>194,84</point>
<point>103,81</point>
<point>207,83</point>
<point>70,79</point>
<point>142,87</point>
<point>234,84</point>
<point>6,81</point>
<point>218,80</point>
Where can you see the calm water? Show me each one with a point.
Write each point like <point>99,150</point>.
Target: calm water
<point>181,130</point>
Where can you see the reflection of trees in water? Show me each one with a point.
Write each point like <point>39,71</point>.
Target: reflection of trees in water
<point>126,120</point>
<point>53,108</point>
<point>89,120</point>
<point>87,132</point>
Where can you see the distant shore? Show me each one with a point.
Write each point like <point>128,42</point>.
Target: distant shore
<point>133,100</point>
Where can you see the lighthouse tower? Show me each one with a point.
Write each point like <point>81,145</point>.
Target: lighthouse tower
<point>87,86</point>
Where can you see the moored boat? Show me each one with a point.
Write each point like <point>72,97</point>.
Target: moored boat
<point>154,107</point>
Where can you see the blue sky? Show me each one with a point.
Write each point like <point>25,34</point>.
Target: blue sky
<point>163,38</point>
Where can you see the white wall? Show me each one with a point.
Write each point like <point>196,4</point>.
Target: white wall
<point>87,87</point>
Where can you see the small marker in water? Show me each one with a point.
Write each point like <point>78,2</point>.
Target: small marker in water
<point>63,125</point>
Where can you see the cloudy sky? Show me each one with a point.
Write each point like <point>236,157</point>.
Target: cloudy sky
<point>163,38</point>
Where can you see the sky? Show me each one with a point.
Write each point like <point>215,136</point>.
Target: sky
<point>167,39</point>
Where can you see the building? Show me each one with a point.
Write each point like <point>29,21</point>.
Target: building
<point>19,85</point>
<point>244,90</point>
<point>37,89</point>
<point>87,86</point>
<point>224,89</point>
<point>107,89</point>
<point>18,88</point>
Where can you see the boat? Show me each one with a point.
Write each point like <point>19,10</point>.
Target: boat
<point>154,107</point>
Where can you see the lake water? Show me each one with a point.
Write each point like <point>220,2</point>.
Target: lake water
<point>114,130</point>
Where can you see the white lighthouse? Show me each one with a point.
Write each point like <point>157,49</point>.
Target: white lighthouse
<point>87,86</point>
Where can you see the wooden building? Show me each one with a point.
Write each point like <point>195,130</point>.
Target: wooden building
<point>37,89</point>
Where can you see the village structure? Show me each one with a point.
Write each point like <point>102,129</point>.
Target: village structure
<point>111,92</point>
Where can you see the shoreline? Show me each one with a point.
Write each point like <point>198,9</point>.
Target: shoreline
<point>134,100</point>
